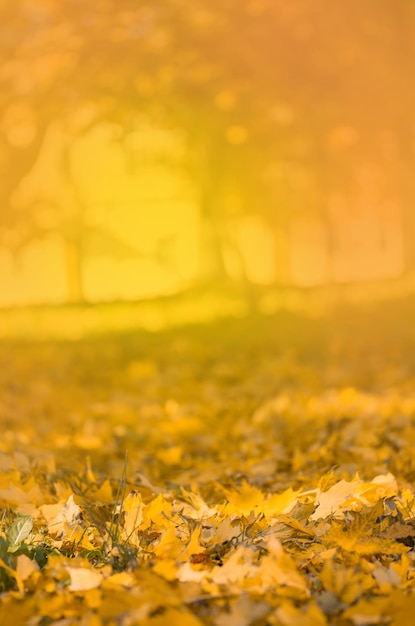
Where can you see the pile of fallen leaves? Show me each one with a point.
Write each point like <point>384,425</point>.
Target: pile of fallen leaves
<point>255,472</point>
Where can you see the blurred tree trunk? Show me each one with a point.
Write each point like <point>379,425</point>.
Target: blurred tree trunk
<point>213,221</point>
<point>404,18</point>
<point>324,164</point>
<point>283,274</point>
<point>74,271</point>
<point>216,239</point>
<point>15,163</point>
<point>74,233</point>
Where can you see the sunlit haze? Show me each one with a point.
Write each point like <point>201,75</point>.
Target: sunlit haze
<point>264,143</point>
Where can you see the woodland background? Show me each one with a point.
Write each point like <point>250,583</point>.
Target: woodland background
<point>150,147</point>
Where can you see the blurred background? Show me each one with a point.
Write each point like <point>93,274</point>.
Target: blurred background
<point>152,147</point>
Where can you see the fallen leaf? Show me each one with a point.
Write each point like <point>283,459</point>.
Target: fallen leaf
<point>83,579</point>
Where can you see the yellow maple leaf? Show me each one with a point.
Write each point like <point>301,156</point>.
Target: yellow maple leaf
<point>119,579</point>
<point>329,502</point>
<point>157,512</point>
<point>360,544</point>
<point>289,615</point>
<point>243,611</point>
<point>15,496</point>
<point>295,524</point>
<point>279,503</point>
<point>167,568</point>
<point>169,546</point>
<point>104,494</point>
<point>279,568</point>
<point>244,500</point>
<point>369,493</point>
<point>187,573</point>
<point>226,530</point>
<point>194,505</point>
<point>83,578</point>
<point>367,612</point>
<point>171,455</point>
<point>193,546</point>
<point>348,583</point>
<point>61,517</point>
<point>237,567</point>
<point>133,516</point>
<point>25,567</point>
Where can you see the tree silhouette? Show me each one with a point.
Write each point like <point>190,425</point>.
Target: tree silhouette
<point>281,104</point>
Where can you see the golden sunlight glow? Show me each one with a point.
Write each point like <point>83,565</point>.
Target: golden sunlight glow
<point>309,258</point>
<point>149,161</point>
<point>257,245</point>
<point>38,275</point>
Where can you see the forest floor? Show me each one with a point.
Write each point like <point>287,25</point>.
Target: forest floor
<point>253,471</point>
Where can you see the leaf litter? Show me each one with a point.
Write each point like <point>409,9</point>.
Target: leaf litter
<point>264,484</point>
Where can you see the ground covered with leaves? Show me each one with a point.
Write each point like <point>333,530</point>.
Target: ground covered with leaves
<point>250,472</point>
